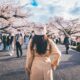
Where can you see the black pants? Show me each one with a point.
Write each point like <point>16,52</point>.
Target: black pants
<point>67,48</point>
<point>4,45</point>
<point>18,49</point>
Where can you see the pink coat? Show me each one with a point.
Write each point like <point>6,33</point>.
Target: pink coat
<point>40,67</point>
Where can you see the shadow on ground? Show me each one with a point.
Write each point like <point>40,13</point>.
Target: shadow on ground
<point>69,69</point>
<point>12,58</point>
<point>13,75</point>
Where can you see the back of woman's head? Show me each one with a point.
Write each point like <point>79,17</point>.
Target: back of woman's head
<point>41,44</point>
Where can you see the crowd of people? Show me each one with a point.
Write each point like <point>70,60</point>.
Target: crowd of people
<point>10,42</point>
<point>39,49</point>
<point>40,46</point>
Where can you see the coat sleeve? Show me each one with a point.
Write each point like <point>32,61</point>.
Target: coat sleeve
<point>29,58</point>
<point>56,54</point>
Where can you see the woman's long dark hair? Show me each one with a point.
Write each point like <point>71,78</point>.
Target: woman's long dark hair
<point>41,44</point>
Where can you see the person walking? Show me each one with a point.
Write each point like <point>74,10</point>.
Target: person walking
<point>42,57</point>
<point>19,42</point>
<point>4,41</point>
<point>12,44</point>
<point>67,43</point>
<point>8,42</point>
<point>26,40</point>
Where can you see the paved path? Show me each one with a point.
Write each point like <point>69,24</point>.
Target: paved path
<point>12,68</point>
<point>69,68</point>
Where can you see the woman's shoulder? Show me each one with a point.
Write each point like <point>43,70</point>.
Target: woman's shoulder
<point>51,41</point>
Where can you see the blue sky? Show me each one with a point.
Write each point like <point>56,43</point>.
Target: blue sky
<point>42,10</point>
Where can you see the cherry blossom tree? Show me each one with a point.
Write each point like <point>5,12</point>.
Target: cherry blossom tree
<point>67,27</point>
<point>12,16</point>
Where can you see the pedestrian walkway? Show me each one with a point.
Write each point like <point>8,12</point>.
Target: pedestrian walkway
<point>69,68</point>
<point>12,68</point>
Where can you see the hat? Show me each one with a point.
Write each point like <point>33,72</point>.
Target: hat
<point>40,29</point>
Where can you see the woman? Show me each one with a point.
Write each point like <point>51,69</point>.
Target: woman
<point>40,54</point>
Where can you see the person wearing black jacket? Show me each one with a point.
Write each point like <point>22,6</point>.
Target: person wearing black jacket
<point>67,43</point>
